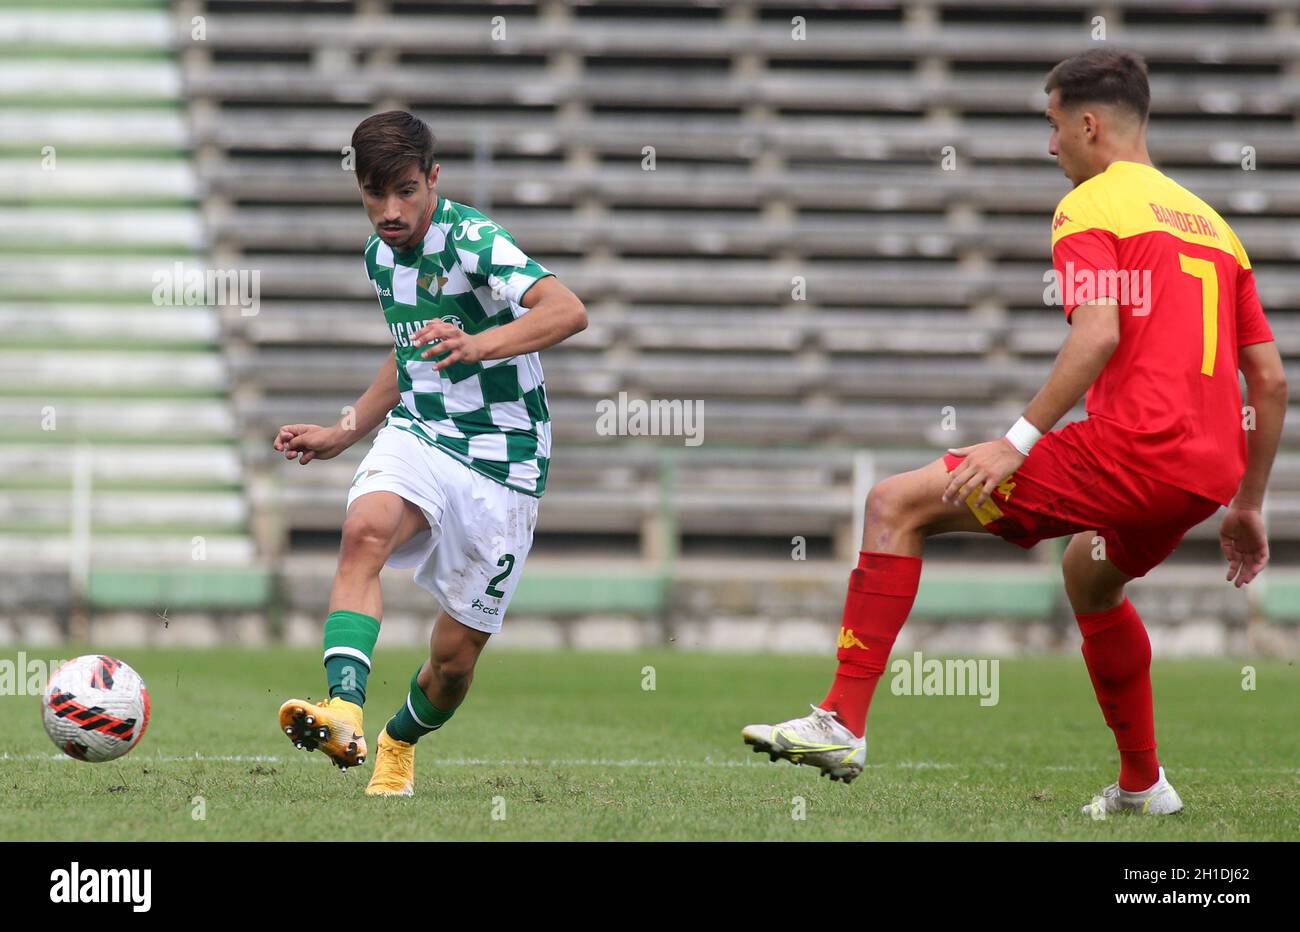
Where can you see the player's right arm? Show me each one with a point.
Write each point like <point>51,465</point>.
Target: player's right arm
<point>323,443</point>
<point>1242,536</point>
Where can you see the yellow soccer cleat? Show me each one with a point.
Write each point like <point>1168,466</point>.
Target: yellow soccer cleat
<point>334,727</point>
<point>394,768</point>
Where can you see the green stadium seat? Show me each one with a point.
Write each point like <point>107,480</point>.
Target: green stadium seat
<point>580,593</point>
<point>215,589</point>
<point>1281,598</point>
<point>989,594</point>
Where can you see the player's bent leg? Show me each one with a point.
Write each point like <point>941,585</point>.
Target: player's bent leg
<point>904,509</point>
<point>437,689</point>
<point>1117,652</point>
<point>1092,582</point>
<point>377,524</point>
<point>901,512</point>
<point>454,650</point>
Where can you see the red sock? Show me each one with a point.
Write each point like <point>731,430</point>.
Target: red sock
<point>881,592</point>
<point>1118,654</point>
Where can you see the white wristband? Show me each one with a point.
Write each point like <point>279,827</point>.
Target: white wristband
<point>1023,436</point>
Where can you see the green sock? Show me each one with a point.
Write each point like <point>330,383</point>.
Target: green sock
<point>349,641</point>
<point>417,716</point>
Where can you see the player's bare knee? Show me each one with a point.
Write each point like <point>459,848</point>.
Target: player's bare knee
<point>1087,594</point>
<point>1091,585</point>
<point>887,503</point>
<point>365,543</point>
<point>892,509</point>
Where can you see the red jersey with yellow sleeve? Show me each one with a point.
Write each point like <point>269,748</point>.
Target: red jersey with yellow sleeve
<point>1168,402</point>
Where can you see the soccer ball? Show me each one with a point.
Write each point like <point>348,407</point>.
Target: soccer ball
<point>95,708</point>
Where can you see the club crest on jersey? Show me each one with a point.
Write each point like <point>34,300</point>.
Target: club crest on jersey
<point>473,230</point>
<point>424,281</point>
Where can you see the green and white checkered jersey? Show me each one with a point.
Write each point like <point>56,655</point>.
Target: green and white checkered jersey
<point>491,415</point>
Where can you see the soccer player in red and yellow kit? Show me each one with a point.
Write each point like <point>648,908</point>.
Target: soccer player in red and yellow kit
<point>1162,308</point>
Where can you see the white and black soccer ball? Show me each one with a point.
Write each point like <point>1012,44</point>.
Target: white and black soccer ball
<point>95,708</point>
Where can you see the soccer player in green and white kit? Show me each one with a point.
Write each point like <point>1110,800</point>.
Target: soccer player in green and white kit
<point>452,482</point>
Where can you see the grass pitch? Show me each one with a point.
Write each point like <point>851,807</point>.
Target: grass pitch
<point>571,746</point>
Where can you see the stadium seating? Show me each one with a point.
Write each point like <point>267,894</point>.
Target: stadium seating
<point>775,158</point>
<point>119,451</point>
<point>828,224</point>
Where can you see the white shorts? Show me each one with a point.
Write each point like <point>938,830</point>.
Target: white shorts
<point>479,533</point>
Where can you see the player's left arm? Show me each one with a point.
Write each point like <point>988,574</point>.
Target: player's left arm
<point>1094,335</point>
<point>554,314</point>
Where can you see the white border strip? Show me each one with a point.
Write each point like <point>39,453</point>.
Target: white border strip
<point>348,652</point>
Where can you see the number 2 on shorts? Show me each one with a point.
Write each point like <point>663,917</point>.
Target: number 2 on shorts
<point>508,561</point>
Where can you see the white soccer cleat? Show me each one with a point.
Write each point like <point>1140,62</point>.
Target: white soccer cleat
<point>817,739</point>
<point>1159,799</point>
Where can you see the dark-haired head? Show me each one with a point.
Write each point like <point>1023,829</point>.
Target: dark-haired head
<point>1097,104</point>
<point>387,144</point>
<point>393,154</point>
<point>1103,76</point>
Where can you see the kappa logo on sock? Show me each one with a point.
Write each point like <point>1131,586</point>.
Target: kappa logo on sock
<point>848,639</point>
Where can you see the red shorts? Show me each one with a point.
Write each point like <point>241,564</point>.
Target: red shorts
<point>1065,486</point>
